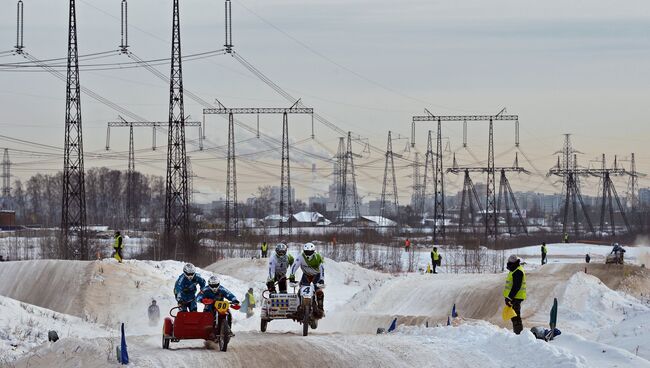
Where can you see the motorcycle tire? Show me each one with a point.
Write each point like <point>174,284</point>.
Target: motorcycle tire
<point>263,325</point>
<point>224,337</point>
<point>306,316</point>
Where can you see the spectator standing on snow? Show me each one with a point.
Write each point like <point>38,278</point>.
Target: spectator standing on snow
<point>566,237</point>
<point>407,244</point>
<point>265,249</point>
<point>544,251</point>
<point>435,259</point>
<point>248,305</point>
<point>118,246</point>
<point>587,258</point>
<point>154,313</point>
<point>514,291</point>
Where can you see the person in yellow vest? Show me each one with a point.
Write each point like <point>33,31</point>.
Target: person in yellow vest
<point>566,237</point>
<point>249,303</point>
<point>435,259</point>
<point>515,290</point>
<point>265,249</point>
<point>544,251</point>
<point>118,246</point>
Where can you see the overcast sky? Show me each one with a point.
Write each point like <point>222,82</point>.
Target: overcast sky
<point>579,67</point>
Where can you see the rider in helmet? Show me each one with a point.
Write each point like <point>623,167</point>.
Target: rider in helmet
<point>311,264</point>
<point>185,288</point>
<point>278,264</point>
<point>212,292</point>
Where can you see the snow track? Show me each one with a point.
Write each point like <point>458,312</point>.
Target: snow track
<point>357,302</point>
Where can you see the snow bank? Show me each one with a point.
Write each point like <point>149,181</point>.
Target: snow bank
<point>24,326</point>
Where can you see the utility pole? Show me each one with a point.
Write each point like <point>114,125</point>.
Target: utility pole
<point>177,221</point>
<point>6,175</point>
<point>349,201</point>
<point>285,179</point>
<point>73,219</point>
<point>389,180</point>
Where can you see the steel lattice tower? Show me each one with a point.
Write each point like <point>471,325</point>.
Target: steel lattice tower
<point>429,169</point>
<point>19,28</point>
<point>439,189</point>
<point>177,220</point>
<point>339,167</point>
<point>231,181</point>
<point>286,208</point>
<point>470,196</point>
<point>349,201</point>
<point>632,186</point>
<point>491,214</point>
<point>131,213</point>
<point>6,174</point>
<point>389,180</point>
<point>73,219</point>
<point>418,195</point>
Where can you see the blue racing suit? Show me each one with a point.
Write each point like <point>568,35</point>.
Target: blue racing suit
<point>222,293</point>
<point>185,291</point>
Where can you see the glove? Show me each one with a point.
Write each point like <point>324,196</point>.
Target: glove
<point>235,302</point>
<point>292,278</point>
<point>509,302</point>
<point>320,284</point>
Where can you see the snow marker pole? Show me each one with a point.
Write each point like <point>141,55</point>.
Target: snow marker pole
<point>124,354</point>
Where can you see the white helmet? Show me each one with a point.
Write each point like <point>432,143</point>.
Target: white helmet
<point>214,282</point>
<point>189,270</point>
<point>309,249</point>
<point>281,249</point>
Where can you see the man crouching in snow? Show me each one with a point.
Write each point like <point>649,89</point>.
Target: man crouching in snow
<point>515,290</point>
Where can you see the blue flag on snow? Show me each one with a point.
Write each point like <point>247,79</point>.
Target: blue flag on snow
<point>124,354</point>
<point>393,325</point>
<point>453,311</point>
<point>448,322</point>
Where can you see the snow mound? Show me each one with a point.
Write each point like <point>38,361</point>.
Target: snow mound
<point>25,326</point>
<point>586,305</point>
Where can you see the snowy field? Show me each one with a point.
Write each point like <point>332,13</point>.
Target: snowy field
<point>604,316</point>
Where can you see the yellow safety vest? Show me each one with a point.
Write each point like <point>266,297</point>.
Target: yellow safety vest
<point>117,242</point>
<point>435,255</point>
<point>251,299</point>
<point>544,249</point>
<point>264,247</point>
<point>521,294</point>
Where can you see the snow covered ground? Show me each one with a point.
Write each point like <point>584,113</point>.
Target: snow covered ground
<point>603,316</point>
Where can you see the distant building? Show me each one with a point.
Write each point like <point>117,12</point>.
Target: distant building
<point>308,219</point>
<point>7,219</point>
<point>644,196</point>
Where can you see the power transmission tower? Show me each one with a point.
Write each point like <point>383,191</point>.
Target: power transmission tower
<point>429,170</point>
<point>6,175</point>
<point>232,212</point>
<point>190,179</point>
<point>506,196</point>
<point>285,180</point>
<point>132,212</point>
<point>228,44</point>
<point>491,208</point>
<point>439,190</point>
<point>567,169</point>
<point>349,201</point>
<point>124,29</point>
<point>417,198</point>
<point>73,219</point>
<point>609,193</point>
<point>389,180</point>
<point>286,202</point>
<point>339,167</point>
<point>18,49</point>
<point>177,221</point>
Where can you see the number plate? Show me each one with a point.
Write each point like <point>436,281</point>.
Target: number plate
<point>221,306</point>
<point>306,292</point>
